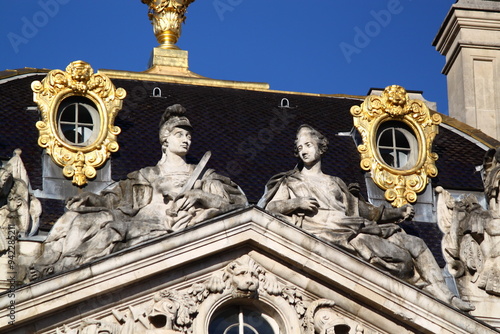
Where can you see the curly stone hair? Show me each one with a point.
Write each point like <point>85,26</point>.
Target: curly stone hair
<point>321,139</point>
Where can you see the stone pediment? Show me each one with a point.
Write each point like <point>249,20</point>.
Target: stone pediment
<point>303,282</point>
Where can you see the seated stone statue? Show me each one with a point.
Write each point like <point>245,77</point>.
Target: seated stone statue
<point>323,205</point>
<point>471,241</point>
<point>151,202</point>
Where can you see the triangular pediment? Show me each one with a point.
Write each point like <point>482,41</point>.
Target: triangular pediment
<point>296,275</point>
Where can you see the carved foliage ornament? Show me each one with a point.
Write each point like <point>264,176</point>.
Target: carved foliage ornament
<point>79,161</point>
<point>173,311</point>
<point>394,108</point>
<point>167,17</point>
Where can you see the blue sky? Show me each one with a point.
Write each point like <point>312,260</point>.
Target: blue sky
<point>316,46</point>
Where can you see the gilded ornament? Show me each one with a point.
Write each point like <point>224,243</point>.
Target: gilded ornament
<point>401,184</point>
<point>167,17</point>
<point>79,161</point>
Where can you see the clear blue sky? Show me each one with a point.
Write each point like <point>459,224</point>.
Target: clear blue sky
<point>317,46</point>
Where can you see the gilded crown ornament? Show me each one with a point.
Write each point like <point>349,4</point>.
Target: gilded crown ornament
<point>414,126</point>
<point>61,136</point>
<point>167,17</point>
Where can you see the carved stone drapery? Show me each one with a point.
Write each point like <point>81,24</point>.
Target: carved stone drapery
<point>167,17</point>
<point>78,162</point>
<point>401,185</point>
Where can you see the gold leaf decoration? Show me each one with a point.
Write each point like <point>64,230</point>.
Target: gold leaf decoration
<point>401,185</point>
<point>79,162</point>
<point>167,17</point>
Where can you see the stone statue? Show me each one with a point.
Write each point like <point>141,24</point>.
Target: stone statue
<point>151,202</point>
<point>324,206</point>
<point>471,241</point>
<point>19,210</point>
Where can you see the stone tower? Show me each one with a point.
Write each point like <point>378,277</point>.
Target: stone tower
<point>469,38</point>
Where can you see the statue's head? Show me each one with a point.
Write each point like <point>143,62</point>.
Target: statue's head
<point>174,116</point>
<point>320,139</point>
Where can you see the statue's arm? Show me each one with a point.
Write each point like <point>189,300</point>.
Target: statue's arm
<point>284,204</point>
<point>381,214</point>
<point>213,191</point>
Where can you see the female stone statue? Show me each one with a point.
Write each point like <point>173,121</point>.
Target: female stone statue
<point>323,205</point>
<point>151,202</point>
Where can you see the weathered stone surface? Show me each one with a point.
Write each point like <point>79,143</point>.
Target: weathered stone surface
<point>19,218</point>
<point>299,275</point>
<point>151,202</point>
<point>324,206</point>
<point>471,244</point>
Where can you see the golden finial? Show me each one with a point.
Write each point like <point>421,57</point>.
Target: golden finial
<point>167,17</point>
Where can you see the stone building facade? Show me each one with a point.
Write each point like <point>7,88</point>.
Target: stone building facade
<point>110,225</point>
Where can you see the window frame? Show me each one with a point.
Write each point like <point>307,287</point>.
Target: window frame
<point>93,111</point>
<point>413,148</point>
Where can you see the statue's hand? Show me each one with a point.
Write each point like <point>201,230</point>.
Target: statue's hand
<point>408,212</point>
<point>193,196</point>
<point>86,199</point>
<point>307,204</point>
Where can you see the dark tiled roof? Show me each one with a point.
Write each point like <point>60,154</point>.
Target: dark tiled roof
<point>52,210</point>
<point>431,234</point>
<point>17,125</point>
<point>458,158</point>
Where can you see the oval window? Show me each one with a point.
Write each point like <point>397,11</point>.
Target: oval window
<point>397,145</point>
<point>78,121</point>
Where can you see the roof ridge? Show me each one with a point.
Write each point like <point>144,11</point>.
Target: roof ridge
<point>13,72</point>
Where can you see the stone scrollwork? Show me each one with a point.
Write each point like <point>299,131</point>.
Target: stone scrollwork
<point>79,162</point>
<point>167,17</point>
<point>175,311</point>
<point>241,278</point>
<point>323,318</point>
<point>401,185</point>
<point>91,326</point>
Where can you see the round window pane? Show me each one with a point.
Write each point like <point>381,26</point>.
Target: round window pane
<point>68,114</point>
<point>397,145</point>
<point>78,121</point>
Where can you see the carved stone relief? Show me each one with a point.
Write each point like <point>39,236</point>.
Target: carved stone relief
<point>471,244</point>
<point>20,214</point>
<point>174,311</point>
<point>326,207</point>
<point>19,209</point>
<point>323,318</point>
